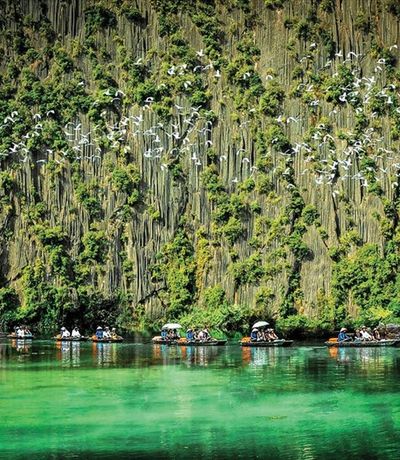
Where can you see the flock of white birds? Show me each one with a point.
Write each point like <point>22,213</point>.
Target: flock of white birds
<point>326,157</point>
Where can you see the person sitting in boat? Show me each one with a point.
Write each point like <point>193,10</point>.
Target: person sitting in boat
<point>75,333</point>
<point>365,335</point>
<point>99,333</point>
<point>189,335</point>
<point>173,334</point>
<point>376,334</point>
<point>272,335</point>
<point>200,336</point>
<point>343,337</point>
<point>254,335</point>
<point>260,336</point>
<point>269,335</point>
<point>20,332</point>
<point>106,333</point>
<point>206,334</point>
<point>358,336</point>
<point>164,334</point>
<point>114,334</point>
<point>65,334</point>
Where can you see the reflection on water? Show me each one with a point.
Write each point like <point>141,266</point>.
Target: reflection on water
<point>264,356</point>
<point>106,353</point>
<point>68,353</point>
<point>206,402</point>
<point>188,355</point>
<point>361,357</point>
<point>3,350</point>
<point>21,345</point>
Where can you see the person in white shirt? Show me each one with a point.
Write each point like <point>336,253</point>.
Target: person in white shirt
<point>106,333</point>
<point>201,336</point>
<point>365,335</point>
<point>65,333</point>
<point>75,333</point>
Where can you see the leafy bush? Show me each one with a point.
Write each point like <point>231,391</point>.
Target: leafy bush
<point>272,99</point>
<point>264,184</point>
<point>309,214</point>
<point>212,181</point>
<point>90,203</point>
<point>232,230</point>
<point>9,303</point>
<point>277,138</point>
<point>176,268</point>
<point>248,271</point>
<point>95,246</point>
<point>131,13</point>
<point>98,18</point>
<point>216,313</point>
<point>125,179</point>
<point>274,4</point>
<point>370,279</point>
<point>393,7</point>
<point>297,326</point>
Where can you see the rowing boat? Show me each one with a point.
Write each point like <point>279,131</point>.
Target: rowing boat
<point>200,343</point>
<point>189,343</point>
<point>245,342</point>
<point>71,339</point>
<point>15,336</point>
<point>363,344</point>
<point>107,340</point>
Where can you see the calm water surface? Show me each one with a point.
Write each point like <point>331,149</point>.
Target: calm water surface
<point>82,400</point>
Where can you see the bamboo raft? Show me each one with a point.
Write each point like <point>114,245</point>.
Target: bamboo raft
<point>71,339</point>
<point>107,340</point>
<point>26,337</point>
<point>363,344</point>
<point>189,343</point>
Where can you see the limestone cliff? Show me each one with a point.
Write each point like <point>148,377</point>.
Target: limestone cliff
<point>162,159</point>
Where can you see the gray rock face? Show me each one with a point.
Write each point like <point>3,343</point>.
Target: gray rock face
<point>266,133</point>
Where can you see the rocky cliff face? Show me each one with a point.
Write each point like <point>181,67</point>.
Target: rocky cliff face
<point>174,158</point>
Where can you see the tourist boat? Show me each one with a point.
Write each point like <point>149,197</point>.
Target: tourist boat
<point>58,338</point>
<point>158,340</point>
<point>362,344</point>
<point>246,342</point>
<point>13,335</point>
<point>107,340</point>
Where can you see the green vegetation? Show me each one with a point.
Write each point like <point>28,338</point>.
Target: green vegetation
<point>216,313</point>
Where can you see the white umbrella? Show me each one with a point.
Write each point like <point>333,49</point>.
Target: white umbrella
<point>172,326</point>
<point>260,324</point>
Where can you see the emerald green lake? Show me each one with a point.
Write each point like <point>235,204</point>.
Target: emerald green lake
<point>82,400</point>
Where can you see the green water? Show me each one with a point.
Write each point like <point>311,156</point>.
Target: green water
<point>144,401</point>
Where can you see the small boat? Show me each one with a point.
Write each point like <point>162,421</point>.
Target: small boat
<point>363,344</point>
<point>71,339</point>
<point>246,342</point>
<point>160,341</point>
<point>200,343</point>
<point>13,335</point>
<point>188,343</point>
<point>107,340</point>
